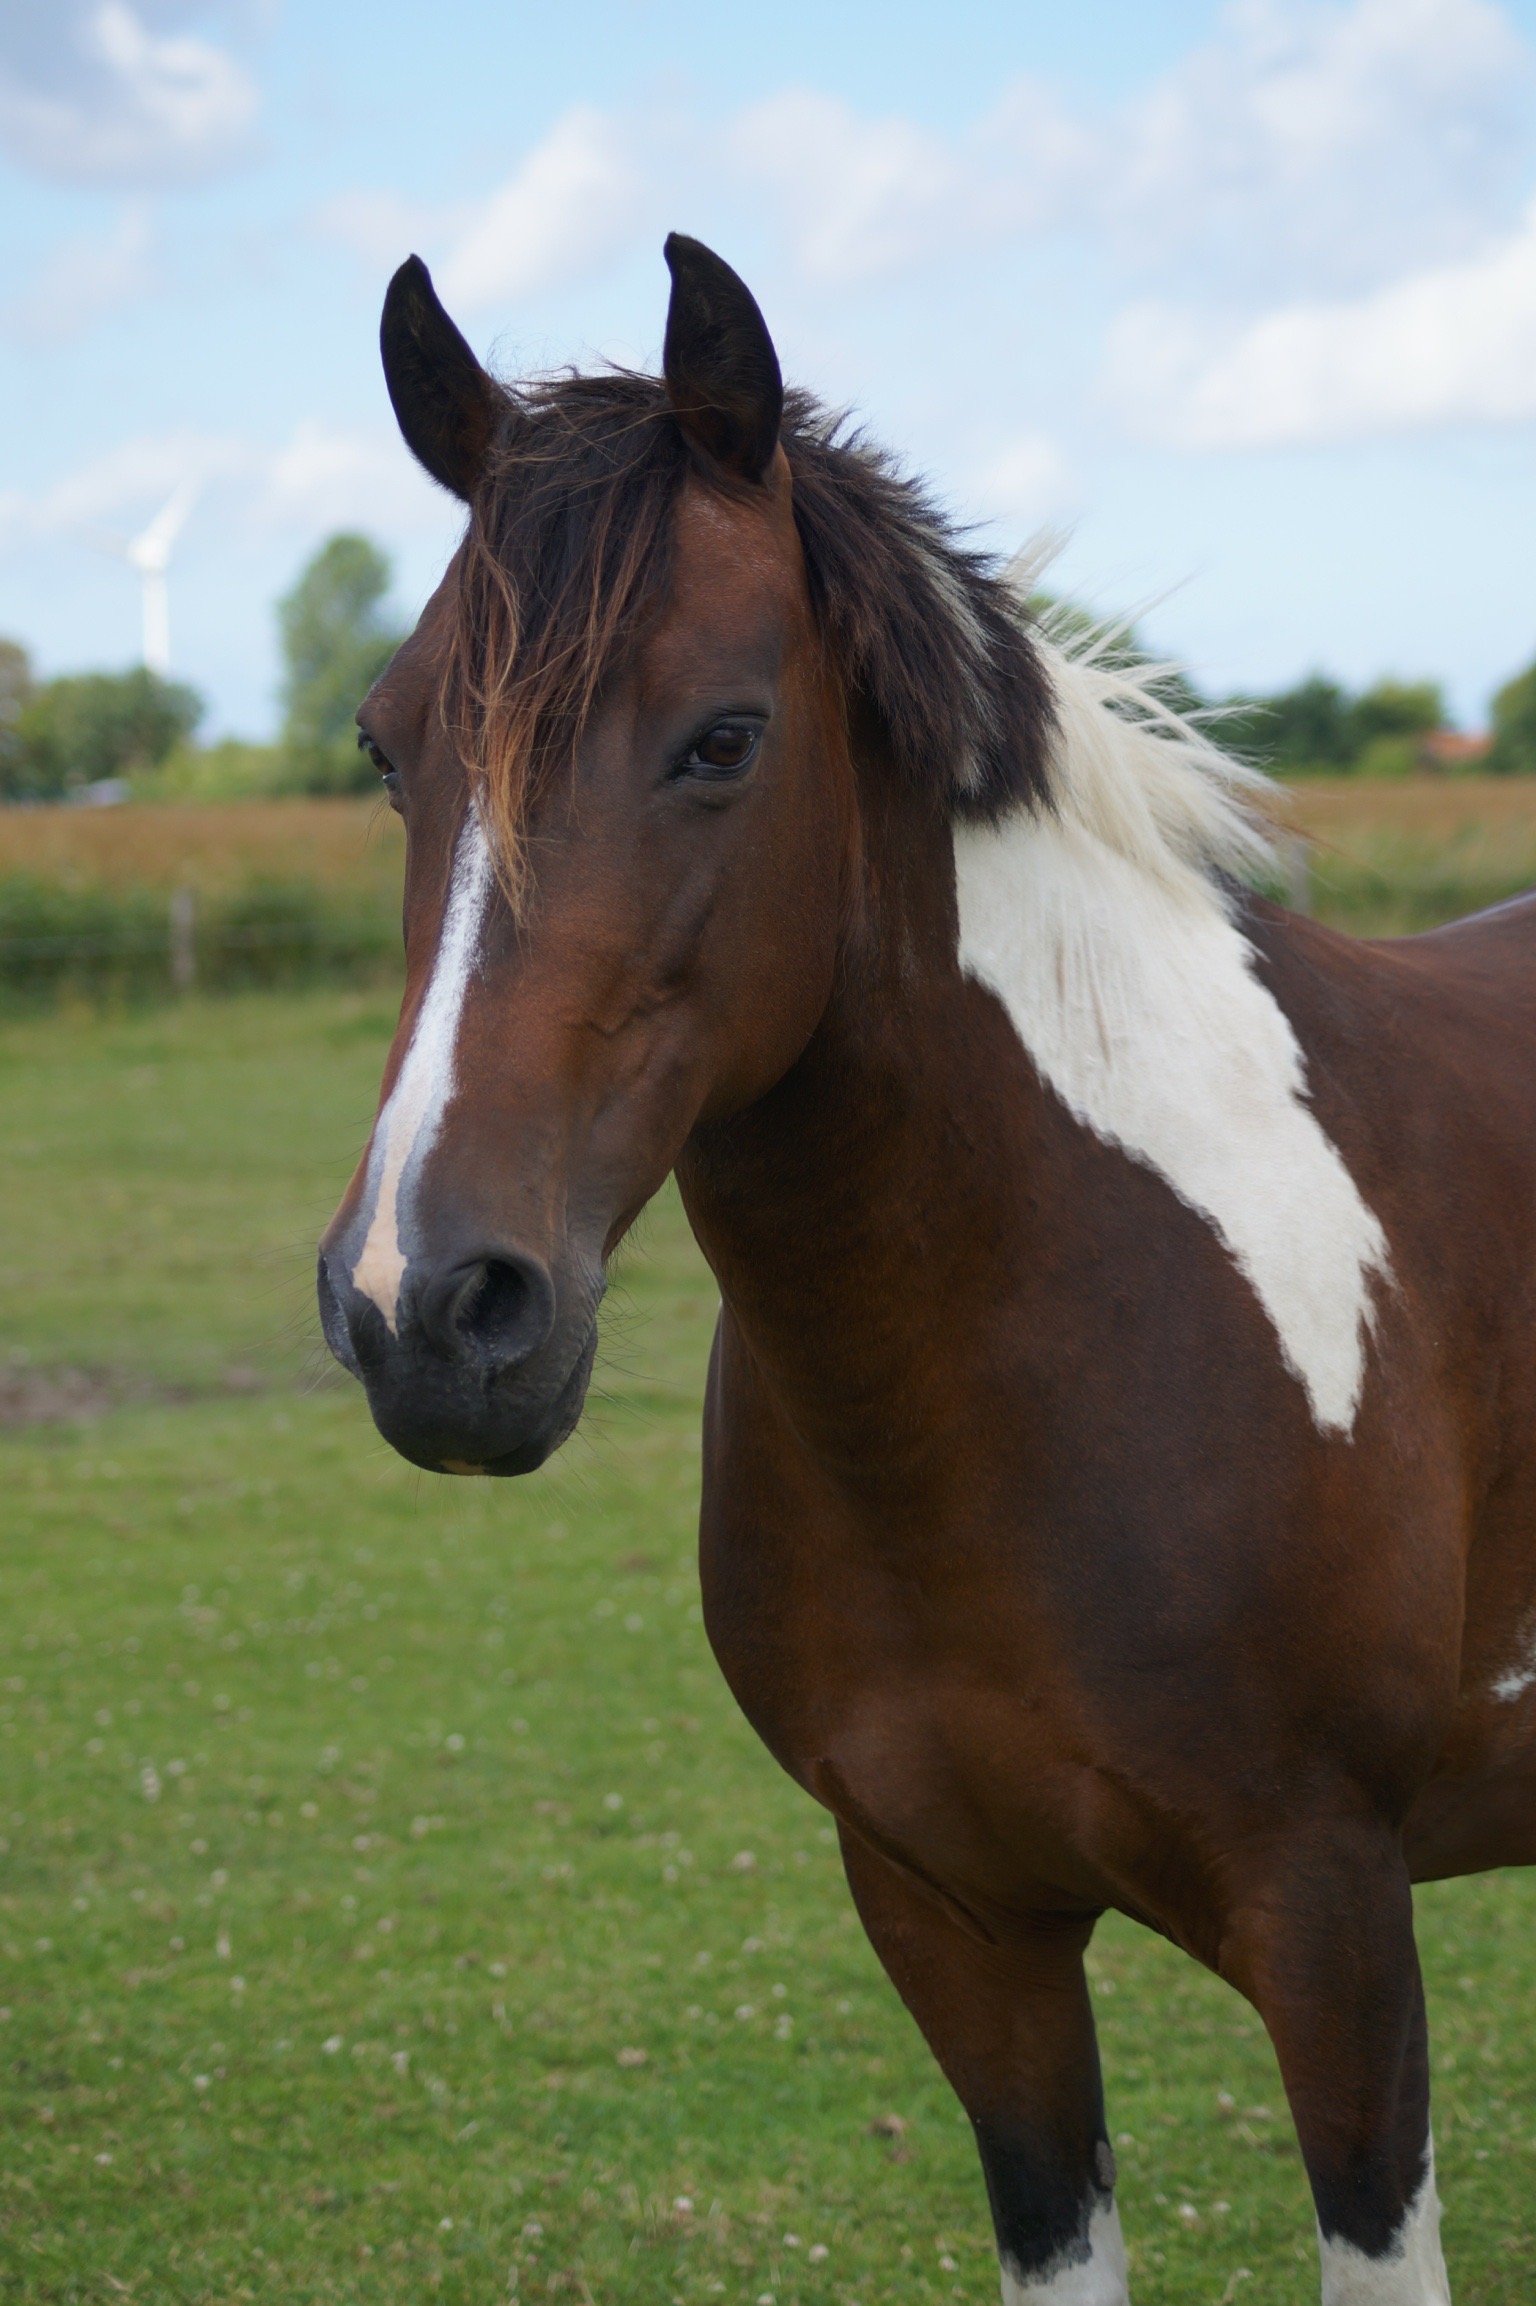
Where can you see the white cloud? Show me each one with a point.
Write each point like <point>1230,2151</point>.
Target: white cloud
<point>381,228</point>
<point>104,92</point>
<point>323,477</point>
<point>864,199</point>
<point>125,481</point>
<point>577,197</point>
<point>1354,170</point>
<point>1453,344</point>
<point>1310,145</point>
<point>860,197</point>
<point>319,478</point>
<point>856,198</point>
<point>1028,482</point>
<point>1322,146</point>
<point>85,277</point>
<point>1314,191</point>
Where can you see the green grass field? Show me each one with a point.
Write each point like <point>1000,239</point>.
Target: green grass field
<point>392,1905</point>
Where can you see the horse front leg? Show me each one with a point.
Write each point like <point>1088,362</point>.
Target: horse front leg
<point>1322,1944</point>
<point>1012,2028</point>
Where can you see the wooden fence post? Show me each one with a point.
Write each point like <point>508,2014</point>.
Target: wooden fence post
<point>184,939</point>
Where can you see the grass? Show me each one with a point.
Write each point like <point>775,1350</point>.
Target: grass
<point>393,1905</point>
<point>1389,859</point>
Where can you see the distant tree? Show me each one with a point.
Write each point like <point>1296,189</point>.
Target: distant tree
<point>1394,709</point>
<point>15,696</point>
<point>1300,728</point>
<point>336,642</point>
<point>1514,727</point>
<point>86,726</point>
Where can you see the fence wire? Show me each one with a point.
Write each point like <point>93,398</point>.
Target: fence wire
<point>55,940</point>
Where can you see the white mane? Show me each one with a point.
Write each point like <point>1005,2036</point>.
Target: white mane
<point>1133,772</point>
<point>1105,927</point>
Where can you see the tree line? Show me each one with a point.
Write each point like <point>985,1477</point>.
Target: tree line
<point>134,729</point>
<point>136,732</point>
<point>1318,727</point>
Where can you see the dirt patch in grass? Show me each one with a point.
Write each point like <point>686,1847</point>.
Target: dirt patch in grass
<point>67,1396</point>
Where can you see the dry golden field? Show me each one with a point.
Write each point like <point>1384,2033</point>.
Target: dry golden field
<point>355,844</point>
<point>1435,812</point>
<point>1384,857</point>
<point>162,843</point>
<point>1389,858</point>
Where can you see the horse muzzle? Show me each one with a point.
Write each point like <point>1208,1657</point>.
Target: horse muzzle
<point>481,1370</point>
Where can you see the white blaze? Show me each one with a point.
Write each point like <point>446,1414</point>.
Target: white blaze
<point>426,1082</point>
<point>1097,2278</point>
<point>1135,995</point>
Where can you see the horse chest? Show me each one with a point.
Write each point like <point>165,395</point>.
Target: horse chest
<point>944,1726</point>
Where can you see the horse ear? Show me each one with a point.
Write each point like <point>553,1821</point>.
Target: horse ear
<point>721,369</point>
<point>445,403</point>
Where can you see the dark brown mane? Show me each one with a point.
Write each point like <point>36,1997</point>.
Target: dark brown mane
<point>567,557</point>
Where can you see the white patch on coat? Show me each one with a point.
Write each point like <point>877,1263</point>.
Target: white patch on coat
<point>1411,2273</point>
<point>1091,2275</point>
<point>1100,927</point>
<point>1518,1678</point>
<point>410,1121</point>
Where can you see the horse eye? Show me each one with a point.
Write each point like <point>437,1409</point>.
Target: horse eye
<point>381,762</point>
<point>725,750</point>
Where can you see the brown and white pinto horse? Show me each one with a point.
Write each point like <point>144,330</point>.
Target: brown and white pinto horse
<point>1120,1467</point>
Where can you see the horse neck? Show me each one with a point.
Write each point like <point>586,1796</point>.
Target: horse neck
<point>856,1217</point>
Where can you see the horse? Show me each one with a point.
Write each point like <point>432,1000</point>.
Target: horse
<point>1119,1475</point>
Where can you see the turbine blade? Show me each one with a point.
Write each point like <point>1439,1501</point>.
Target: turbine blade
<point>151,548</point>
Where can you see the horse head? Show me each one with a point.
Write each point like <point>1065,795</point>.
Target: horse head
<point>622,765</point>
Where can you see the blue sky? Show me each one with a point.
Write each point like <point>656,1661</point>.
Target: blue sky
<point>1242,298</point>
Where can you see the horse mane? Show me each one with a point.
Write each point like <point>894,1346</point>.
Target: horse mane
<point>989,701</point>
<point>567,557</point>
<point>1129,768</point>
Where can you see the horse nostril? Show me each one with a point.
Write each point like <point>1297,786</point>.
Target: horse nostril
<point>495,1310</point>
<point>333,1319</point>
<point>502,1302</point>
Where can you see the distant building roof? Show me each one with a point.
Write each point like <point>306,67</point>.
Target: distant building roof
<point>1451,748</point>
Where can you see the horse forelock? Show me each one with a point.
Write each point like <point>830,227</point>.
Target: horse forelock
<point>567,559</point>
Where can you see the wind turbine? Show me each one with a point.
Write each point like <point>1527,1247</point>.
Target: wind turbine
<point>150,553</point>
